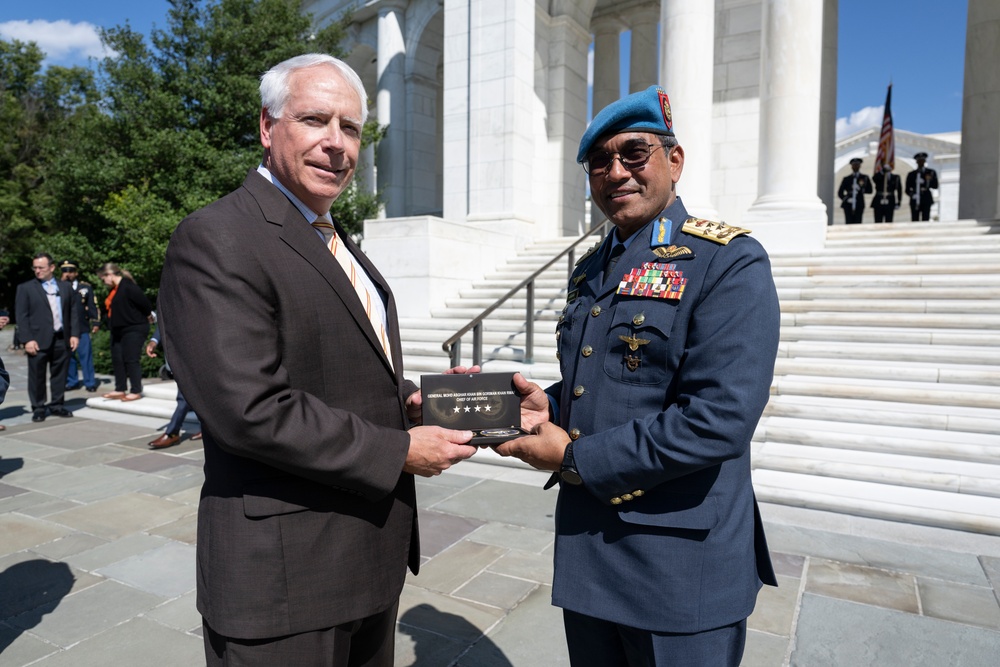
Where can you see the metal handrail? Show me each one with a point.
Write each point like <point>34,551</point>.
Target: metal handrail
<point>453,346</point>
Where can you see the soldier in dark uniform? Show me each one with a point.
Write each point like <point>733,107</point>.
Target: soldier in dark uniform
<point>90,322</point>
<point>852,191</point>
<point>919,184</point>
<point>888,194</point>
<point>667,346</point>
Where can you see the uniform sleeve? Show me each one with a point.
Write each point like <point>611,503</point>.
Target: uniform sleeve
<point>722,384</point>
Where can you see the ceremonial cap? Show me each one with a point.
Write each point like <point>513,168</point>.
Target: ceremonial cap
<point>920,155</point>
<point>645,111</point>
<point>856,160</point>
<point>68,266</point>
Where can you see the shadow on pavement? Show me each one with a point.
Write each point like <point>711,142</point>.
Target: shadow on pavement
<point>28,591</point>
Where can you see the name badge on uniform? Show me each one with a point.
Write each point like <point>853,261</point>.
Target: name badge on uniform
<point>654,280</point>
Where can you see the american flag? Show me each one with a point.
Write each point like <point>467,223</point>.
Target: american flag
<point>886,144</point>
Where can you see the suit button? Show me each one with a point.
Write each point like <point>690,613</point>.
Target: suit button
<point>626,497</point>
<point>638,493</point>
<point>578,390</point>
<point>638,319</point>
<point>595,311</point>
<point>558,356</point>
<point>616,501</point>
<point>587,350</point>
<point>574,434</point>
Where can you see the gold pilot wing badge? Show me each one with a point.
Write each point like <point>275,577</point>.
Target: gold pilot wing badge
<point>633,342</point>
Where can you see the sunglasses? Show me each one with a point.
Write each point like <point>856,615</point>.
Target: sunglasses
<point>632,157</point>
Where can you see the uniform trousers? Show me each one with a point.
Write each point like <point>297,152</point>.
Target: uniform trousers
<point>55,360</point>
<point>85,354</point>
<point>369,642</point>
<point>921,212</point>
<point>593,641</point>
<point>126,346</point>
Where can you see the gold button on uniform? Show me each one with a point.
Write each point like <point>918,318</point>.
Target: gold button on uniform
<point>638,493</point>
<point>638,319</point>
<point>595,311</point>
<point>578,390</point>
<point>626,497</point>
<point>587,350</point>
<point>574,433</point>
<point>616,501</point>
<point>558,356</point>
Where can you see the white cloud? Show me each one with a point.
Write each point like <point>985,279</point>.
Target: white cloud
<point>859,120</point>
<point>60,40</point>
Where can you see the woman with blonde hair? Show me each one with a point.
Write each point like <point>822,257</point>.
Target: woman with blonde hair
<point>128,317</point>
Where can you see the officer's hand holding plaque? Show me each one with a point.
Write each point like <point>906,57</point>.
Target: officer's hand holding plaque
<point>485,403</point>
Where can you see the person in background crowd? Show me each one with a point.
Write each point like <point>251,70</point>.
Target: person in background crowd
<point>172,434</point>
<point>4,377</point>
<point>90,322</point>
<point>129,314</point>
<point>919,184</point>
<point>48,326</point>
<point>888,194</point>
<point>852,192</point>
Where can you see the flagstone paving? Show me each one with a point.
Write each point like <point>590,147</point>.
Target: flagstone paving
<point>97,542</point>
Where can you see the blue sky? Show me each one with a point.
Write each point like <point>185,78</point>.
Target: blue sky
<point>917,44</point>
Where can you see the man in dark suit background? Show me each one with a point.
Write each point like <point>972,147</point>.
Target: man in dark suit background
<point>852,191</point>
<point>307,519</point>
<point>47,316</point>
<point>919,183</point>
<point>888,194</point>
<point>667,346</point>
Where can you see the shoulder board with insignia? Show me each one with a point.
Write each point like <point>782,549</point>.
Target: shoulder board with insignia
<point>719,232</point>
<point>587,254</point>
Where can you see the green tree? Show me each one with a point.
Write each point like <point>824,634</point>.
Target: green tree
<point>169,125</point>
<point>37,111</point>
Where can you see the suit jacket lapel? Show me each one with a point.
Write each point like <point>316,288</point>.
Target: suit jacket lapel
<point>302,238</point>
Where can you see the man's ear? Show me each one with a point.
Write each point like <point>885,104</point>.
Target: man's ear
<point>266,123</point>
<point>676,161</point>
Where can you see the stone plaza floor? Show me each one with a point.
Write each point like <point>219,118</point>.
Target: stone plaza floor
<point>97,544</point>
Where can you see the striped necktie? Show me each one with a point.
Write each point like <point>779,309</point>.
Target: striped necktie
<point>350,267</point>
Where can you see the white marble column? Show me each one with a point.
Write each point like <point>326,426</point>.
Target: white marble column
<point>686,72</point>
<point>788,215</point>
<point>390,102</point>
<point>643,52</point>
<point>979,188</point>
<point>607,31</point>
<point>828,111</point>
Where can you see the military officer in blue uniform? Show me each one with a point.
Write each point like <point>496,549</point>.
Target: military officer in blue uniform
<point>667,346</point>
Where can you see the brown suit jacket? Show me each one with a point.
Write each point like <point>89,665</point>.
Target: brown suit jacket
<point>306,519</point>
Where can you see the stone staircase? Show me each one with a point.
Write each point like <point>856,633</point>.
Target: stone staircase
<point>886,397</point>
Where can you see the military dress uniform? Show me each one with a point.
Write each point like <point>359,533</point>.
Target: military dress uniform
<point>82,361</point>
<point>888,195</point>
<point>666,365</point>
<point>852,191</point>
<point>919,183</point>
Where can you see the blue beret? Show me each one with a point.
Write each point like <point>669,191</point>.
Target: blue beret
<point>646,111</point>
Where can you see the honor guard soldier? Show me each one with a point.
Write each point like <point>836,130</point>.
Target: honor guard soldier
<point>919,184</point>
<point>667,346</point>
<point>852,193</point>
<point>82,362</point>
<point>888,194</point>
